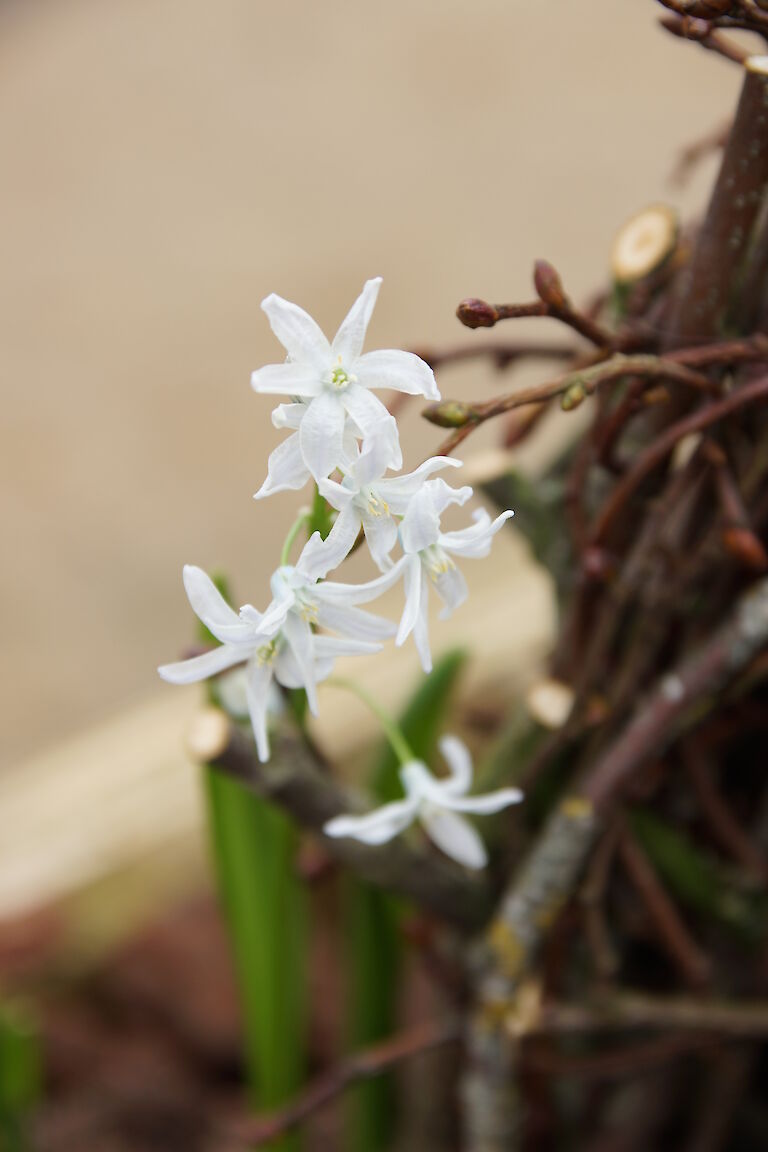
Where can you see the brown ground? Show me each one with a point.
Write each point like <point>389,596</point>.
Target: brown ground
<point>168,164</point>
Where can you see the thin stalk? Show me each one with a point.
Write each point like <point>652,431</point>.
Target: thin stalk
<point>296,527</point>
<point>391,729</point>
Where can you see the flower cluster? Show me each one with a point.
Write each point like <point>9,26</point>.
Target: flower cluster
<point>343,438</point>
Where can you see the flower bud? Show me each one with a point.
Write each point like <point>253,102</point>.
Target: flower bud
<point>573,396</point>
<point>745,547</point>
<point>477,313</point>
<point>549,286</point>
<point>448,414</point>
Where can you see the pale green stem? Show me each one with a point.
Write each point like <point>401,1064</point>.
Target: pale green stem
<point>392,730</point>
<point>291,537</point>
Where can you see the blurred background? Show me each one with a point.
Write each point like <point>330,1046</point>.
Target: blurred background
<point>168,164</point>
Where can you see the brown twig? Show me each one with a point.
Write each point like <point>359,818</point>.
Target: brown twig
<point>726,830</point>
<point>501,355</point>
<point>672,933</point>
<point>701,32</point>
<point>363,1065</point>
<point>660,448</point>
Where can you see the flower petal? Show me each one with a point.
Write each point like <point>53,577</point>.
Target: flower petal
<point>454,836</point>
<point>403,371</point>
<point>421,631</point>
<point>376,827</point>
<point>297,332</point>
<point>373,421</point>
<point>287,379</point>
<point>475,541</point>
<point>298,635</point>
<point>345,594</point>
<point>321,435</point>
<point>201,667</point>
<point>381,535</point>
<point>210,606</point>
<point>348,341</point>
<point>457,757</point>
<point>420,527</point>
<point>414,595</point>
<point>319,557</point>
<point>286,470</point>
<point>257,693</point>
<point>336,494</point>
<point>484,805</point>
<point>372,462</point>
<point>331,646</point>
<point>451,587</point>
<point>399,490</point>
<point>289,674</point>
<point>288,415</point>
<point>354,622</point>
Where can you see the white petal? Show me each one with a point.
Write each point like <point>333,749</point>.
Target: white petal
<point>336,494</point>
<point>319,557</point>
<point>298,635</point>
<point>258,694</point>
<point>286,470</point>
<point>421,631</point>
<point>451,587</point>
<point>346,594</point>
<point>420,527</point>
<point>483,805</point>
<point>288,415</point>
<point>403,371</point>
<point>457,757</point>
<point>348,341</point>
<point>289,674</point>
<point>376,827</point>
<point>331,646</point>
<point>454,836</point>
<point>443,495</point>
<point>321,435</point>
<point>475,541</point>
<point>399,490</point>
<point>373,421</point>
<point>354,622</point>
<point>297,332</point>
<point>201,667</point>
<point>287,379</point>
<point>414,589</point>
<point>372,462</point>
<point>381,535</point>
<point>210,606</point>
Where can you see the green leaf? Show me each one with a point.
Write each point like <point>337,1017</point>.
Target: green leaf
<point>20,1075</point>
<point>699,881</point>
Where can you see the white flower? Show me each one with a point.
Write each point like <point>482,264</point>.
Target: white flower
<point>333,382</point>
<point>366,498</point>
<point>280,642</point>
<point>428,558</point>
<point>436,803</point>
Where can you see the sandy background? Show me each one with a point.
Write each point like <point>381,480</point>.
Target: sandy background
<point>166,164</point>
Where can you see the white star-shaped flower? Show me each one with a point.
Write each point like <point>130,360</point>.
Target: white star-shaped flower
<point>333,382</point>
<point>437,804</point>
<point>428,558</point>
<point>368,499</point>
<point>281,642</point>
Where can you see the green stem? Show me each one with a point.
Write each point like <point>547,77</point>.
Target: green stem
<point>392,730</point>
<point>296,527</point>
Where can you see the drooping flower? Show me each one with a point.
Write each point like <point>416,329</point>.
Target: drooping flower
<point>368,499</point>
<point>281,643</point>
<point>437,804</point>
<point>428,558</point>
<point>333,381</point>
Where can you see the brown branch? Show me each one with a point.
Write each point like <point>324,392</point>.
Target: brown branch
<point>701,32</point>
<point>707,282</point>
<point>293,779</point>
<point>502,355</point>
<point>672,933</point>
<point>637,1010</point>
<point>363,1065</point>
<point>661,447</point>
<point>726,830</point>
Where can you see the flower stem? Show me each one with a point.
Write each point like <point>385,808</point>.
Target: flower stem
<point>392,730</point>
<point>296,527</point>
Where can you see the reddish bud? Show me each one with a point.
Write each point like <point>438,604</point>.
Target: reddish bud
<point>745,547</point>
<point>598,564</point>
<point>477,313</point>
<point>549,286</point>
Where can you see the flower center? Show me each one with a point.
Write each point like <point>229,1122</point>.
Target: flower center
<point>307,609</point>
<point>340,378</point>
<point>266,654</point>
<point>436,561</point>
<point>376,506</point>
